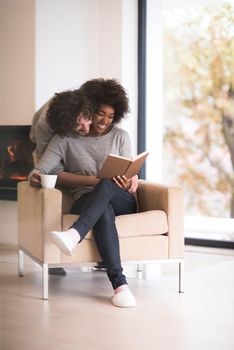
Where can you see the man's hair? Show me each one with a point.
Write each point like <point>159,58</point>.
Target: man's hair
<point>109,92</point>
<point>64,109</point>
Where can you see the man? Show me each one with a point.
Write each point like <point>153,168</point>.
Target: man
<point>74,109</point>
<point>73,114</point>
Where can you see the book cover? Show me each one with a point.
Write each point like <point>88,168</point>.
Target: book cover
<point>116,165</point>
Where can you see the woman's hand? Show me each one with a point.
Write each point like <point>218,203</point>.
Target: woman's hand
<point>126,184</point>
<point>134,184</point>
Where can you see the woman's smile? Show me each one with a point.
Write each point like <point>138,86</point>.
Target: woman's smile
<point>102,120</point>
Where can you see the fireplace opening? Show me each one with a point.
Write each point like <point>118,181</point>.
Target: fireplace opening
<point>16,160</point>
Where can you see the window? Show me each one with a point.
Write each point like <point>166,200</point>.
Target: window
<point>196,105</point>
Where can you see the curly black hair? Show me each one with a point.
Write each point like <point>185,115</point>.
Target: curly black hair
<point>109,92</point>
<point>64,109</point>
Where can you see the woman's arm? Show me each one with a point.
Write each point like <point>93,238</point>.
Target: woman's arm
<point>73,180</point>
<point>123,182</point>
<point>65,179</point>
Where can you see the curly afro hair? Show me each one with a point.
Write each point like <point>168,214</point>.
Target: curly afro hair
<point>109,92</point>
<point>64,109</point>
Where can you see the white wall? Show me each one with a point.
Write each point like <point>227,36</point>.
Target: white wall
<point>67,39</point>
<point>73,41</point>
<point>129,65</point>
<point>95,38</point>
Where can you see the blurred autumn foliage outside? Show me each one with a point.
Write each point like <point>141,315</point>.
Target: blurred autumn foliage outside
<point>199,107</point>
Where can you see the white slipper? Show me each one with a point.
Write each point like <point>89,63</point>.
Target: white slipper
<point>63,241</point>
<point>124,299</point>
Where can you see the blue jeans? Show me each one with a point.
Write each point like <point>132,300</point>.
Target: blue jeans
<point>97,211</point>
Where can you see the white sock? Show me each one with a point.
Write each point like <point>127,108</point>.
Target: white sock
<point>66,241</point>
<point>74,234</point>
<point>123,297</point>
<point>121,288</point>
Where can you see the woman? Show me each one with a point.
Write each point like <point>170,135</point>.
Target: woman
<point>97,201</point>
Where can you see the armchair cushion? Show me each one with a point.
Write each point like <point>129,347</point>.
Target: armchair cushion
<point>149,223</point>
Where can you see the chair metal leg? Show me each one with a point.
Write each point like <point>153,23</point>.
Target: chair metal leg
<point>44,281</point>
<point>181,276</point>
<point>20,263</point>
<point>140,269</point>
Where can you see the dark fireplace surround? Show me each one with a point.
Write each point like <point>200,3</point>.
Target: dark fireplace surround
<point>16,160</point>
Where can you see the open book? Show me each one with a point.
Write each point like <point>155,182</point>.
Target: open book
<point>117,165</point>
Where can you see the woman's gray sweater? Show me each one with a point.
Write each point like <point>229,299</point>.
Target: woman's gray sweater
<point>83,155</point>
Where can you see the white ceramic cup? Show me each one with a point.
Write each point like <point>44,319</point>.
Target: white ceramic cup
<point>48,181</point>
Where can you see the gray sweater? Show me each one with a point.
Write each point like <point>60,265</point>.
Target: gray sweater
<point>84,155</point>
<point>40,132</point>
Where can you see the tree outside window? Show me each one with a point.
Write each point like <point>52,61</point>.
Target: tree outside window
<point>199,107</point>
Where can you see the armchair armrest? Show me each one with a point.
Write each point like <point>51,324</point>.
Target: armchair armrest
<point>153,196</point>
<point>39,212</point>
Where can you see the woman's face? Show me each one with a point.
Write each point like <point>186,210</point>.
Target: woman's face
<point>102,120</point>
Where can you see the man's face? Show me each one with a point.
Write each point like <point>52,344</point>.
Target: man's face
<point>82,124</point>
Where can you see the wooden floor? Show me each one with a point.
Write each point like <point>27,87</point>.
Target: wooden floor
<point>79,315</point>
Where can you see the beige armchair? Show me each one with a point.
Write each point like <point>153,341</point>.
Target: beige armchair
<point>154,234</point>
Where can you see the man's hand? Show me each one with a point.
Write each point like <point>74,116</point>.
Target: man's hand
<point>126,184</point>
<point>35,178</point>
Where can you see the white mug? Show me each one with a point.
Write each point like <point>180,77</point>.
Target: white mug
<point>48,181</point>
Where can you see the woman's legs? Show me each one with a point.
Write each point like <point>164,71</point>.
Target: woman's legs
<point>98,210</point>
<point>107,241</point>
<point>91,206</point>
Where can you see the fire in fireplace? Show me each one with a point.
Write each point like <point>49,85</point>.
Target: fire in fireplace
<point>16,159</point>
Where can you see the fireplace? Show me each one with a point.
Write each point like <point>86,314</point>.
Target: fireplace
<point>16,159</point>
